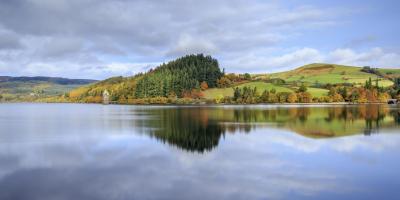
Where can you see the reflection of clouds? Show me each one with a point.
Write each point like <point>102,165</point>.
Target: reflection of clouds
<point>68,152</point>
<point>253,157</point>
<point>299,143</point>
<point>126,167</point>
<point>373,143</point>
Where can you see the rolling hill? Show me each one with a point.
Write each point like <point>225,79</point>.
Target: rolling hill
<point>312,75</point>
<point>333,74</point>
<point>31,88</point>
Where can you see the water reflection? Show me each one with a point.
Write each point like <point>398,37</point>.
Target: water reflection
<point>200,128</point>
<point>61,151</point>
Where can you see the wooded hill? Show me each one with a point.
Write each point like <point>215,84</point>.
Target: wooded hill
<point>177,80</point>
<point>198,78</point>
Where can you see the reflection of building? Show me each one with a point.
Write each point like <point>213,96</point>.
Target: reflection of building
<point>106,97</point>
<point>392,101</point>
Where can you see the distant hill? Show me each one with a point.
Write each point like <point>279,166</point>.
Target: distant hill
<point>55,80</point>
<point>30,88</point>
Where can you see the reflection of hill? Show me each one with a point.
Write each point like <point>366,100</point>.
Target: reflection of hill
<point>344,121</point>
<point>321,122</point>
<point>200,128</point>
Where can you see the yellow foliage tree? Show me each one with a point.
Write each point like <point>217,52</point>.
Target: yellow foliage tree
<point>292,98</point>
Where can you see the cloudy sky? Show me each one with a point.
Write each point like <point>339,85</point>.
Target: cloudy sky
<point>103,38</point>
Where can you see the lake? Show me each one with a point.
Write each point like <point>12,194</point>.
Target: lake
<point>78,151</point>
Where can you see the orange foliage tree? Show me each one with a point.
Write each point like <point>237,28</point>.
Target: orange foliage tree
<point>203,85</point>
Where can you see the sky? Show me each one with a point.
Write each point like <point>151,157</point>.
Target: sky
<point>98,39</point>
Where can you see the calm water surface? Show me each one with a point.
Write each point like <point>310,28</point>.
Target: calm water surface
<point>75,151</point>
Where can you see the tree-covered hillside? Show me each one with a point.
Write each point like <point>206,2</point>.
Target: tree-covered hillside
<point>179,77</point>
<point>183,77</point>
<point>121,89</point>
<point>198,78</point>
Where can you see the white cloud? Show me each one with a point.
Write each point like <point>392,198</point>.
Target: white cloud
<point>375,57</point>
<point>304,55</point>
<point>262,63</point>
<point>189,45</point>
<point>128,68</point>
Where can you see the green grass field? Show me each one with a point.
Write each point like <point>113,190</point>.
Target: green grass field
<point>261,86</point>
<point>317,92</point>
<point>218,92</point>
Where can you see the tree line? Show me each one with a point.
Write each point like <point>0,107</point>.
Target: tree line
<point>248,95</point>
<point>369,93</point>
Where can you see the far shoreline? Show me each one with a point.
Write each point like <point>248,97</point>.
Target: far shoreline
<point>205,104</point>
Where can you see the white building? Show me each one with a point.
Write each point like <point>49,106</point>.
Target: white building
<point>106,97</point>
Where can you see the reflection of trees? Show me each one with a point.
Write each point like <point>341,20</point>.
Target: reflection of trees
<point>373,115</point>
<point>186,128</point>
<point>323,121</point>
<point>396,116</point>
<point>200,128</point>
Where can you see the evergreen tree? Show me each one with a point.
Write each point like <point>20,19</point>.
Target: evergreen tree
<point>264,96</point>
<point>368,83</point>
<point>236,94</point>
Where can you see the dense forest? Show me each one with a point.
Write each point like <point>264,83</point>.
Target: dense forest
<point>180,78</point>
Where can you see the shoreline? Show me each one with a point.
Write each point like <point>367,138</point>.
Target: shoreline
<point>205,104</point>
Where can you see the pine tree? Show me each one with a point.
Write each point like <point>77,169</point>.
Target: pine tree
<point>236,94</point>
